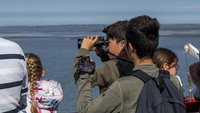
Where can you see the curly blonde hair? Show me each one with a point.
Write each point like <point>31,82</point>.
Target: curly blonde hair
<point>35,72</point>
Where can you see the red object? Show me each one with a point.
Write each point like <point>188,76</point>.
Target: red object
<point>192,105</point>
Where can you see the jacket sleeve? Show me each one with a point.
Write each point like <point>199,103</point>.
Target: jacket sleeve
<point>82,52</point>
<point>99,72</point>
<point>105,103</point>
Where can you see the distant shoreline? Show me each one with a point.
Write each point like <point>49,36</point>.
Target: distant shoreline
<point>181,24</point>
<point>181,36</point>
<point>76,37</point>
<point>162,26</point>
<point>80,30</point>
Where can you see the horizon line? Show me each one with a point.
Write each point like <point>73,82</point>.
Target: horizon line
<point>87,24</point>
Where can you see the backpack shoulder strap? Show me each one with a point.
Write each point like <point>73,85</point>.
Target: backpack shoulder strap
<point>141,75</point>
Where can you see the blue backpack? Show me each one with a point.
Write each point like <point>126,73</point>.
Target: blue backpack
<point>159,95</point>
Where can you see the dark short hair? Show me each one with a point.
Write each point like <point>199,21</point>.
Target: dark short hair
<point>116,30</point>
<point>143,34</point>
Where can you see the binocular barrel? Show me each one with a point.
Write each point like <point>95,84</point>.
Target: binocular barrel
<point>102,41</point>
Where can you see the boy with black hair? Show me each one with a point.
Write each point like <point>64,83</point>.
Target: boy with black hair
<point>114,59</point>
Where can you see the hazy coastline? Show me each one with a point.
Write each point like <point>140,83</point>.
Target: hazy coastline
<point>76,31</point>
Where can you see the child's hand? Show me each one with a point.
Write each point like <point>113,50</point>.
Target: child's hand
<point>88,42</point>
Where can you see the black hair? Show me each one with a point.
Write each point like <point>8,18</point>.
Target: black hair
<point>116,30</point>
<point>143,34</point>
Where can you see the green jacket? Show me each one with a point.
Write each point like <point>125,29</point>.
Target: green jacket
<point>108,72</point>
<point>121,96</point>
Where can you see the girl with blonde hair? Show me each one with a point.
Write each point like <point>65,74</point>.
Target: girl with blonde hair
<point>44,96</point>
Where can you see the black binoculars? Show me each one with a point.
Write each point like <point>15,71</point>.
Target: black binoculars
<point>102,41</point>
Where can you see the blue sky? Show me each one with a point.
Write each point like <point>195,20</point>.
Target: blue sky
<point>62,12</point>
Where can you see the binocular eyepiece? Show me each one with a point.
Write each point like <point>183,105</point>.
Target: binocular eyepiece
<point>102,41</point>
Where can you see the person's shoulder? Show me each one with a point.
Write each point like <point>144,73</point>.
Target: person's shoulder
<point>48,84</point>
<point>109,63</point>
<point>117,61</point>
<point>112,61</point>
<point>129,85</point>
<point>174,78</point>
<point>129,80</point>
<point>10,47</point>
<point>51,93</point>
<point>49,87</point>
<point>175,81</point>
<point>8,42</point>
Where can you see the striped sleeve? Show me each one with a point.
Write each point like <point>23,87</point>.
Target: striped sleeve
<point>13,73</point>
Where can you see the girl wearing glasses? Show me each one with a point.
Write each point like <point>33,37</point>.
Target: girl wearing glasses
<point>166,59</point>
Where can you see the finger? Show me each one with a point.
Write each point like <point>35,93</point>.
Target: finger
<point>96,37</point>
<point>94,48</point>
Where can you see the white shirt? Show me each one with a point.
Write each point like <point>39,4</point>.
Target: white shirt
<point>13,74</point>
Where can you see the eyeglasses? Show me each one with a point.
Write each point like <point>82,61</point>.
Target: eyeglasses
<point>176,66</point>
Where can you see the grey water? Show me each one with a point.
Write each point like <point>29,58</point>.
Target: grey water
<point>57,46</point>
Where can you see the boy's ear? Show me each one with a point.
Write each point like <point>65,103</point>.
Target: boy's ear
<point>131,47</point>
<point>123,43</point>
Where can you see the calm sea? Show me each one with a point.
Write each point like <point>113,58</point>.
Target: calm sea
<point>57,46</point>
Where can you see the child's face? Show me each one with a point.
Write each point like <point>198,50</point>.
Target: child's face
<point>114,47</point>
